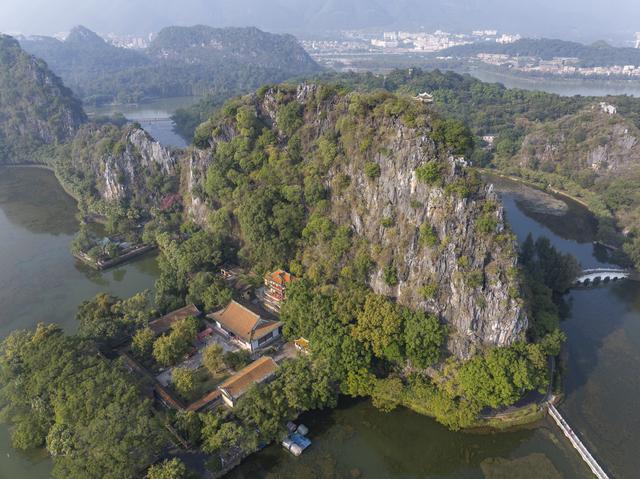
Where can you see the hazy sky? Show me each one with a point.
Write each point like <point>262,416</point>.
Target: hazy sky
<point>584,20</point>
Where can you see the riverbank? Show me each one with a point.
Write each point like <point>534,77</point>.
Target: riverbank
<point>537,185</point>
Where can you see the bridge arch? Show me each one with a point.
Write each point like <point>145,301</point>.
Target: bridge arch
<point>601,275</point>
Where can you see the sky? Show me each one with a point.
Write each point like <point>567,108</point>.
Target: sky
<point>582,20</point>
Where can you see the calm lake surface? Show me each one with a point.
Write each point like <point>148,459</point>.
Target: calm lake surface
<point>154,116</point>
<point>564,87</point>
<point>40,281</point>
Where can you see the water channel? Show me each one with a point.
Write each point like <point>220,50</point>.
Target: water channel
<point>154,116</point>
<point>40,281</point>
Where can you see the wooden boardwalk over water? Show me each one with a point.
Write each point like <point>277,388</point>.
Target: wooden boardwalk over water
<point>577,443</point>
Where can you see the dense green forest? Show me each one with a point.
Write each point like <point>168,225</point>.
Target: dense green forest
<point>87,411</point>
<point>181,61</point>
<point>596,54</point>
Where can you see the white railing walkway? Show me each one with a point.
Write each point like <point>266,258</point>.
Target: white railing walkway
<point>577,443</point>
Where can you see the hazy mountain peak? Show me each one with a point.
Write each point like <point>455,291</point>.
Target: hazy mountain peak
<point>81,34</point>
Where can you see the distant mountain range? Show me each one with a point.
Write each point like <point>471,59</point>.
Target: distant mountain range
<point>180,61</point>
<point>568,19</point>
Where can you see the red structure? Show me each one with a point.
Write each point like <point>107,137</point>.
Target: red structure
<point>275,288</point>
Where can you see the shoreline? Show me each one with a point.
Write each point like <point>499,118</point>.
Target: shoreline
<point>525,182</point>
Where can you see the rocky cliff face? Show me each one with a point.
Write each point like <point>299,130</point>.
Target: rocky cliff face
<point>36,110</point>
<point>475,294</point>
<point>112,165</point>
<point>464,272</point>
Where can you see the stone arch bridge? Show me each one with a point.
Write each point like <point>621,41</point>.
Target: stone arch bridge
<point>590,276</point>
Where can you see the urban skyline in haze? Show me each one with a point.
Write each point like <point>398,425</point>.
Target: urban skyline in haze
<point>615,21</point>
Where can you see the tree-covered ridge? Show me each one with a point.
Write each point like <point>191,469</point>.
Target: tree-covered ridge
<point>328,183</point>
<point>36,109</point>
<point>596,54</point>
<point>181,61</point>
<point>251,46</point>
<point>109,164</point>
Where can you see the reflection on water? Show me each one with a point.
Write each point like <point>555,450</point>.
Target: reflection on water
<point>27,193</point>
<point>572,230</point>
<point>39,279</point>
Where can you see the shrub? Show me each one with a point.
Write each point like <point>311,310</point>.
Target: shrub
<point>289,117</point>
<point>458,188</point>
<point>387,222</point>
<point>431,172</point>
<point>390,275</point>
<point>372,170</point>
<point>428,236</point>
<point>474,279</point>
<point>429,290</point>
<point>237,359</point>
<point>463,261</point>
<point>487,223</point>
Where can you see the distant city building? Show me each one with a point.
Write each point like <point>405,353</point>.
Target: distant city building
<point>638,40</point>
<point>390,36</point>
<point>508,39</point>
<point>484,33</point>
<point>385,43</point>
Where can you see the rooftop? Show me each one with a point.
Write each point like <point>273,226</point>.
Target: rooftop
<point>280,277</point>
<point>244,321</point>
<point>256,372</point>
<point>164,323</point>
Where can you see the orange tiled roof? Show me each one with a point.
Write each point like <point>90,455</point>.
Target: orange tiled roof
<point>243,322</point>
<point>280,277</point>
<point>204,400</point>
<point>256,372</point>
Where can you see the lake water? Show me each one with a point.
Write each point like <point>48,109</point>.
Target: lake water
<point>40,281</point>
<point>154,116</point>
<point>564,87</point>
